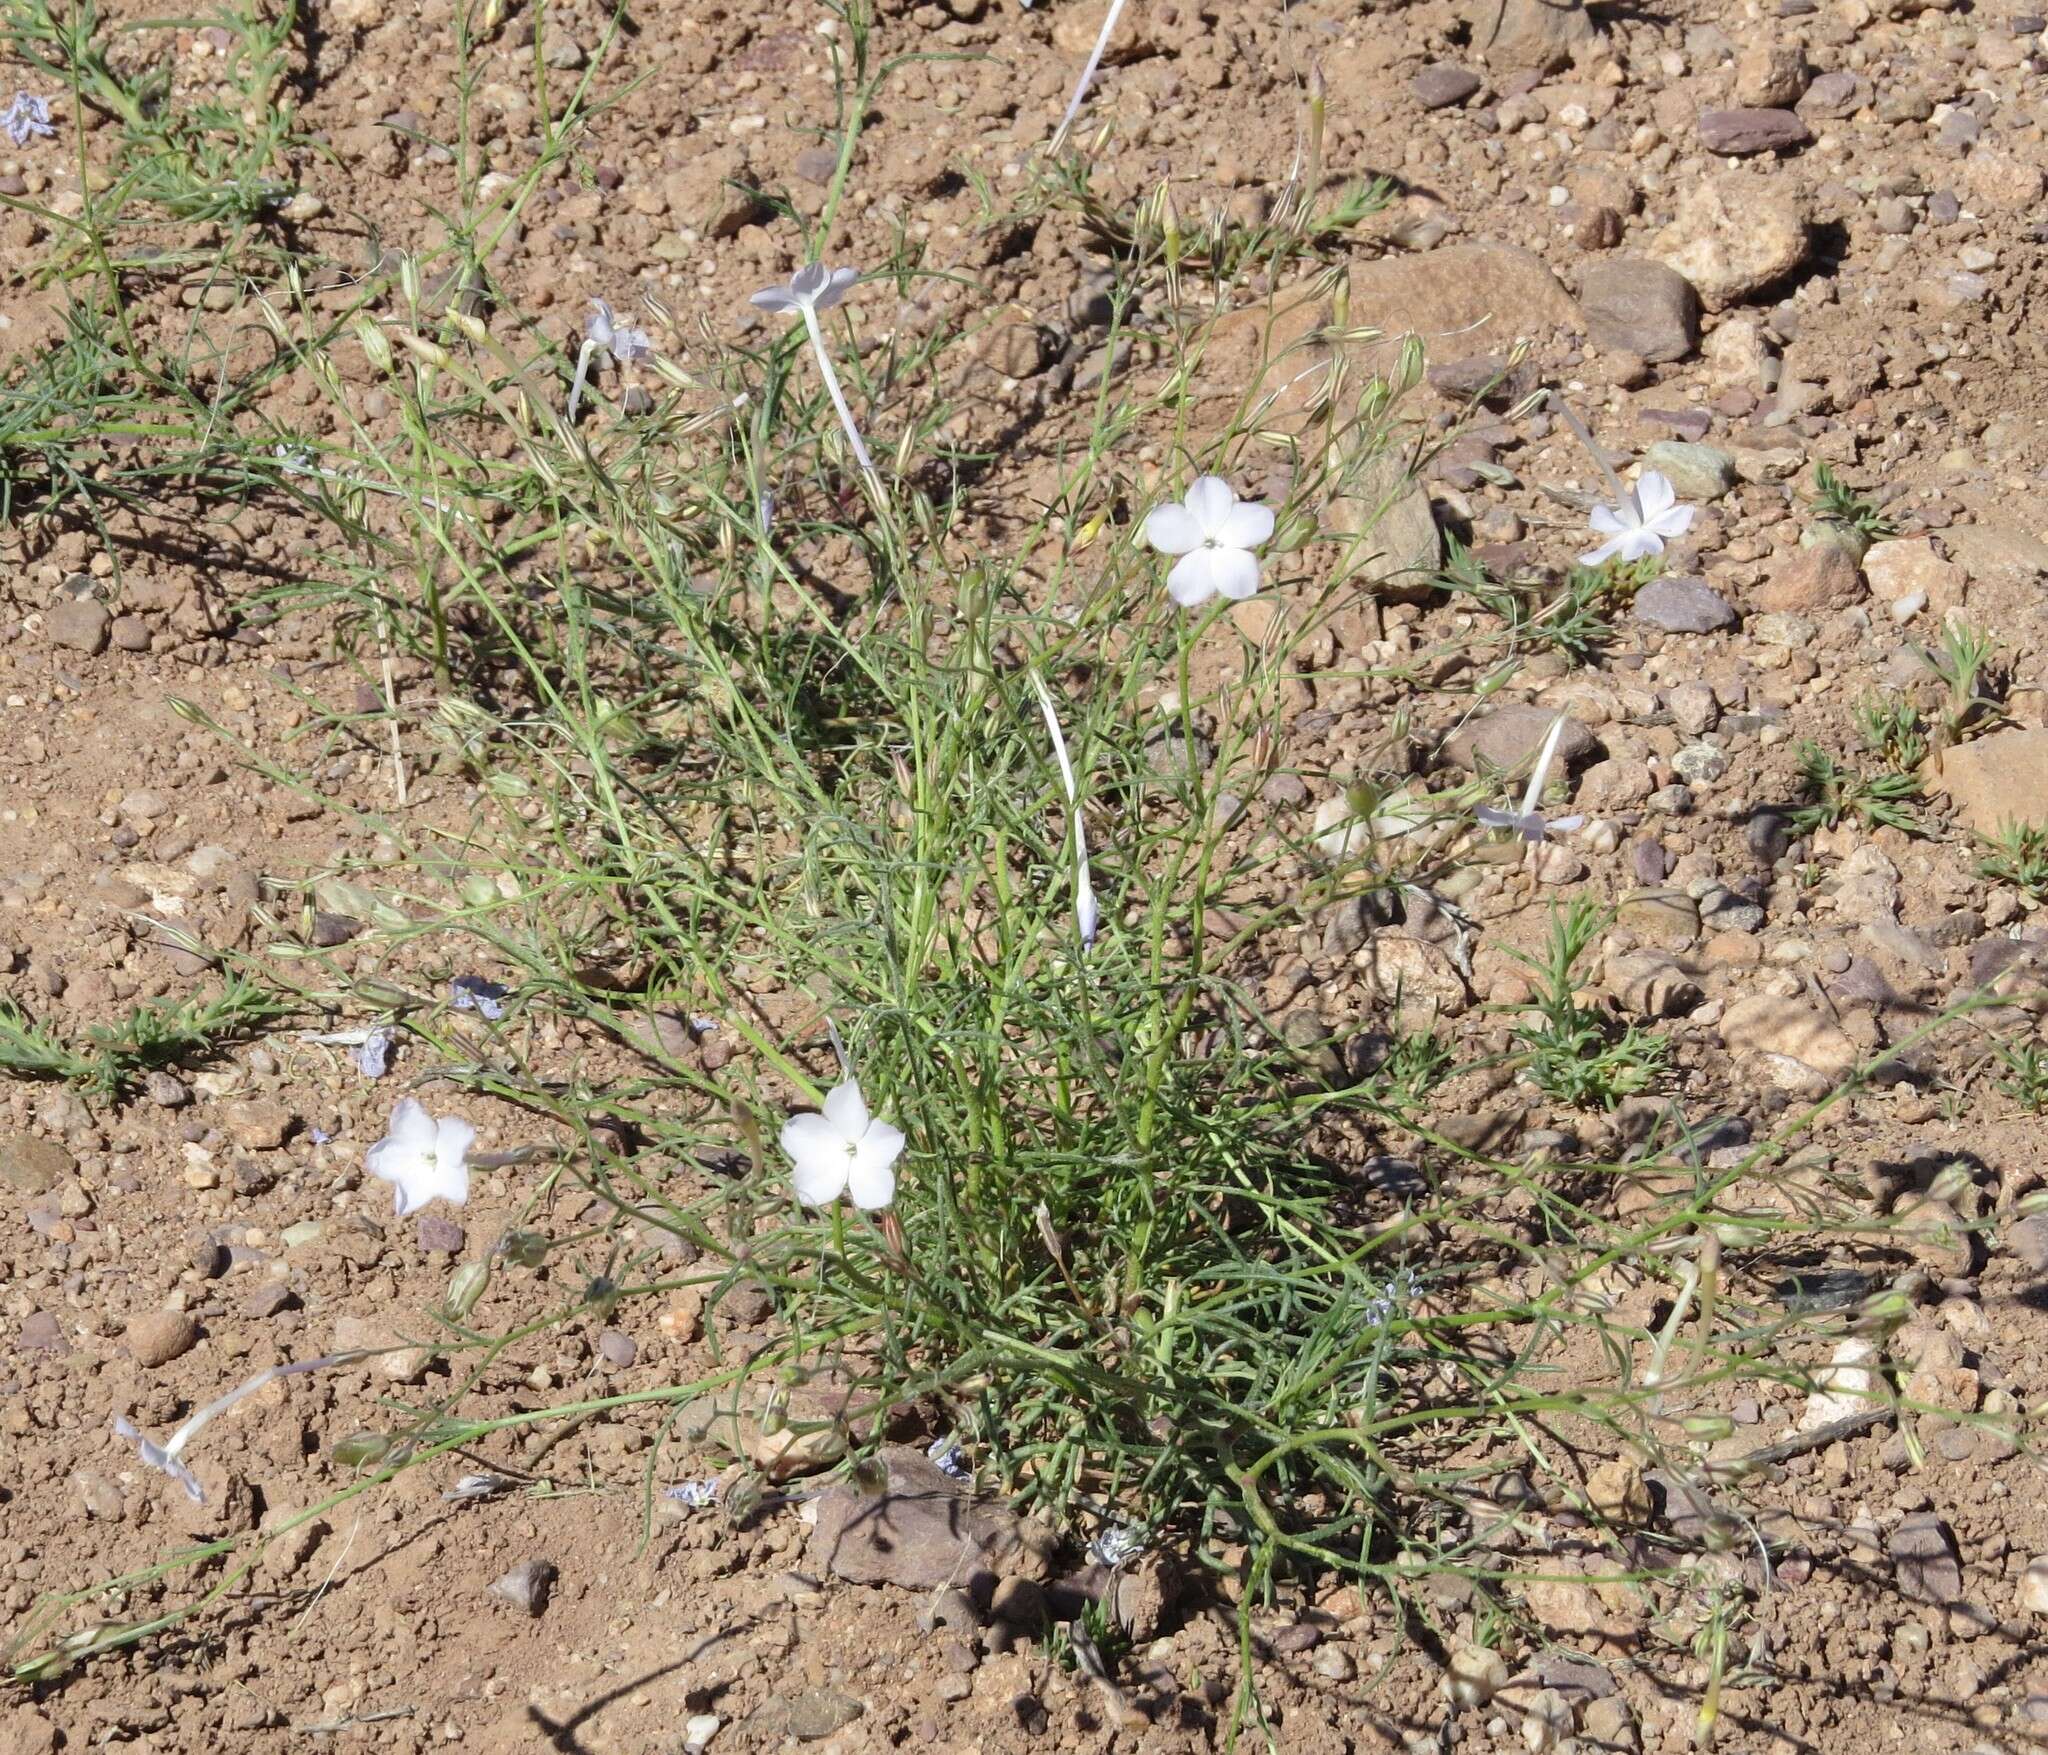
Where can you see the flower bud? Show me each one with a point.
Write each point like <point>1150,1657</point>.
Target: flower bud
<point>375,344</point>
<point>466,1286</point>
<point>361,1450</point>
<point>409,278</point>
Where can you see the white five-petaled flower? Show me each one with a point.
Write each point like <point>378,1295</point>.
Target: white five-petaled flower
<point>844,1150</point>
<point>811,289</point>
<point>1638,528</point>
<point>425,1159</point>
<point>1529,822</point>
<point>1213,532</point>
<point>27,118</point>
<point>1086,916</point>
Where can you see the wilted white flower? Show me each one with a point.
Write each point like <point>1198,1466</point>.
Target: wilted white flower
<point>479,1486</point>
<point>1647,519</point>
<point>844,1150</point>
<point>162,1457</point>
<point>425,1159</point>
<point>1214,533</point>
<point>1086,917</point>
<point>811,289</point>
<point>1529,822</point>
<point>27,118</point>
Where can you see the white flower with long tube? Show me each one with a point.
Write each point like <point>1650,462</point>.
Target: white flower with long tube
<point>843,1150</point>
<point>811,289</point>
<point>165,1458</point>
<point>1086,917</point>
<point>1529,822</point>
<point>1213,532</point>
<point>1648,517</point>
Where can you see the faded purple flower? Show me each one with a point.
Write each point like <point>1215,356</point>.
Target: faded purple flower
<point>695,1494</point>
<point>372,1054</point>
<point>951,1459</point>
<point>472,993</point>
<point>27,118</point>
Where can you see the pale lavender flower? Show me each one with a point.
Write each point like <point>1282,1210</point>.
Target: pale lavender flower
<point>603,333</point>
<point>1529,822</point>
<point>697,1495</point>
<point>811,289</point>
<point>1086,917</point>
<point>27,118</point>
<point>951,1460</point>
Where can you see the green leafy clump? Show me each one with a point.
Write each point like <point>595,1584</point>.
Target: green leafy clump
<point>1835,502</point>
<point>1835,794</point>
<point>2026,1072</point>
<point>2018,856</point>
<point>115,1056</point>
<point>1576,1053</point>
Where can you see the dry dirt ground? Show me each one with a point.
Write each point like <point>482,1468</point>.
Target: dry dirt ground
<point>1863,248</point>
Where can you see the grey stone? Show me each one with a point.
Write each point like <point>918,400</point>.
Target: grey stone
<point>1923,1551</point>
<point>1835,95</point>
<point>2029,1241</point>
<point>527,1586</point>
<point>1698,472</point>
<point>1532,35</point>
<point>440,1235</point>
<point>31,1165</point>
<point>922,1531</point>
<point>1510,737</point>
<point>618,1347</point>
<point>1683,606</point>
<point>1739,133</point>
<point>818,1713</point>
<point>1439,85</point>
<point>272,1298</point>
<point>1634,305</point>
<point>1699,764</point>
<point>78,622</point>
